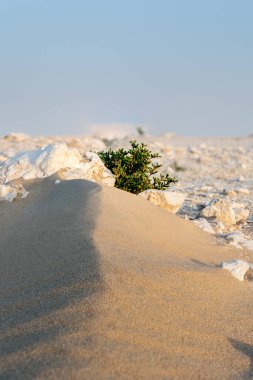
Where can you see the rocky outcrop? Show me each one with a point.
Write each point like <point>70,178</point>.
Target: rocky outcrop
<point>52,158</point>
<point>91,168</point>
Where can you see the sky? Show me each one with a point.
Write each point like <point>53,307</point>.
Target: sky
<point>170,65</point>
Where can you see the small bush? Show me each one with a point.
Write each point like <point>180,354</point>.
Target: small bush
<point>140,131</point>
<point>175,166</point>
<point>133,169</point>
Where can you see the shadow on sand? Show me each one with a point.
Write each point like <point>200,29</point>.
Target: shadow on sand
<point>246,349</point>
<point>48,264</point>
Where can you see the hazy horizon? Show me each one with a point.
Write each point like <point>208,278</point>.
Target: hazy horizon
<point>181,67</point>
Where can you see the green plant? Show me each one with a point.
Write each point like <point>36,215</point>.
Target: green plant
<point>140,131</point>
<point>175,166</point>
<point>133,169</point>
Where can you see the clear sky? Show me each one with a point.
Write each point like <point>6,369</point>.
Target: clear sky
<point>184,66</point>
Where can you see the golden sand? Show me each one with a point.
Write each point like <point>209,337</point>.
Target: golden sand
<point>99,284</point>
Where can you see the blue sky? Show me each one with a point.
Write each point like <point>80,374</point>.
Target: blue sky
<point>179,66</point>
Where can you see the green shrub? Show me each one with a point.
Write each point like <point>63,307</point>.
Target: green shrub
<point>133,169</point>
<point>175,166</point>
<point>140,131</point>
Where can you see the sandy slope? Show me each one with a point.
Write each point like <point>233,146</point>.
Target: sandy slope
<point>99,284</point>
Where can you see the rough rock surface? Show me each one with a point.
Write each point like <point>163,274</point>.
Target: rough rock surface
<point>9,193</point>
<point>48,160</point>
<point>171,201</point>
<point>91,168</point>
<point>237,268</point>
<point>203,223</point>
<point>241,214</point>
<point>220,209</point>
<point>207,169</point>
<point>237,239</point>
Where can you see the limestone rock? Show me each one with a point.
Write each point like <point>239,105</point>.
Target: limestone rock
<point>235,238</point>
<point>220,209</point>
<point>9,193</point>
<point>92,168</point>
<point>241,214</point>
<point>171,201</point>
<point>203,223</point>
<point>237,268</point>
<point>230,193</point>
<point>237,205</point>
<point>39,163</point>
<point>52,158</point>
<point>243,191</point>
<point>2,158</point>
<point>219,225</point>
<point>238,240</point>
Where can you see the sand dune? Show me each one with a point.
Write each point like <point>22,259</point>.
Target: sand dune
<point>100,284</point>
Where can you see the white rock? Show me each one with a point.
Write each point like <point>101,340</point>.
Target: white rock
<point>219,225</point>
<point>193,150</point>
<point>22,191</point>
<point>243,191</point>
<point>112,131</point>
<point>206,188</point>
<point>220,209</point>
<point>171,201</point>
<point>93,144</point>
<point>230,193</point>
<point>41,163</point>
<point>237,268</point>
<point>239,240</point>
<point>238,205</point>
<point>203,223</point>
<point>57,181</point>
<point>241,214</point>
<point>235,237</point>
<point>92,168</point>
<point>9,193</point>
<point>248,244</point>
<point>2,158</point>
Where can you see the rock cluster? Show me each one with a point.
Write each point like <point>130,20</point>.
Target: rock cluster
<point>223,210</point>
<point>215,187</point>
<point>53,158</point>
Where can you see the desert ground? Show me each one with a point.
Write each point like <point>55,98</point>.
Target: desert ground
<point>98,283</point>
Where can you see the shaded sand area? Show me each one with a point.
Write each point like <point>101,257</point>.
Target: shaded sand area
<point>97,283</point>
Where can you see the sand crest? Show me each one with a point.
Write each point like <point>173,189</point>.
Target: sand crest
<point>99,284</point>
